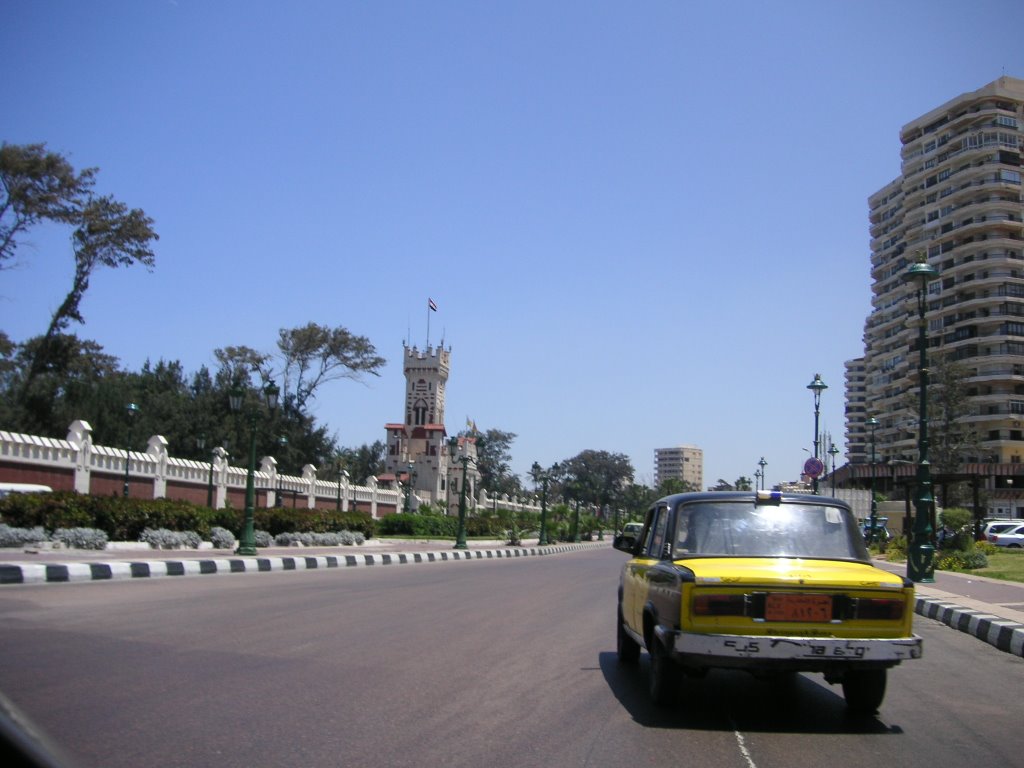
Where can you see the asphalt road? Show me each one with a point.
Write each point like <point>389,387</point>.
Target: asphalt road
<point>505,663</point>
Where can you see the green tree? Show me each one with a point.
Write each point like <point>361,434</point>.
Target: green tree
<point>365,461</point>
<point>594,476</point>
<point>76,383</point>
<point>494,457</point>
<point>314,354</point>
<point>37,186</point>
<point>673,485</point>
<point>744,483</point>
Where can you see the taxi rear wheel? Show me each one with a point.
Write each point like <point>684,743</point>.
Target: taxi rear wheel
<point>864,690</point>
<point>665,676</point>
<point>628,649</point>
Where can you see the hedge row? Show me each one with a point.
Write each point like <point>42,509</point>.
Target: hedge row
<point>125,519</point>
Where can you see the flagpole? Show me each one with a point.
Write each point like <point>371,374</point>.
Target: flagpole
<point>428,324</point>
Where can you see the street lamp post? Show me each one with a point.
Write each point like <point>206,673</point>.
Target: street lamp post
<point>201,444</point>
<point>282,443</point>
<point>340,464</point>
<point>544,475</point>
<point>133,410</point>
<point>921,557</point>
<point>762,464</point>
<point>872,423</point>
<point>817,387</point>
<point>833,452</point>
<point>408,487</point>
<point>247,544</point>
<point>462,456</point>
<point>576,523</point>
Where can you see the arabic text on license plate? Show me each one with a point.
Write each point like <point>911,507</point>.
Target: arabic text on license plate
<point>788,607</point>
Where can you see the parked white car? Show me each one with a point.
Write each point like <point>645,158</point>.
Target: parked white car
<point>1012,537</point>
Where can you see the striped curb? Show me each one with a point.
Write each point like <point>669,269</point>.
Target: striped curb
<point>1005,635</point>
<point>63,573</point>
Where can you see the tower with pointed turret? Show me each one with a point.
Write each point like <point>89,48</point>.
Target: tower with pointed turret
<point>416,448</point>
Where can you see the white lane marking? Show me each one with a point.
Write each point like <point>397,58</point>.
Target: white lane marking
<point>742,743</point>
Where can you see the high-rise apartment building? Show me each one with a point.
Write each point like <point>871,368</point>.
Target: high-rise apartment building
<point>957,204</point>
<point>683,462</point>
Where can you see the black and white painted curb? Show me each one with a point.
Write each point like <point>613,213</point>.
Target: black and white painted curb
<point>1004,634</point>
<point>63,573</point>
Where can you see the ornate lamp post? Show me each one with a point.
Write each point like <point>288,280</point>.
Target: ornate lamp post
<point>461,455</point>
<point>247,544</point>
<point>576,523</point>
<point>410,476</point>
<point>201,444</point>
<point>133,409</point>
<point>833,452</point>
<point>762,464</point>
<point>339,465</point>
<point>873,423</point>
<point>543,476</point>
<point>817,387</point>
<point>282,443</point>
<point>921,557</point>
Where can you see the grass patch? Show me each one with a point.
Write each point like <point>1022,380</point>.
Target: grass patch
<point>1006,564</point>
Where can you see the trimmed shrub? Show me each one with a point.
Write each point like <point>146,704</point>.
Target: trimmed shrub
<point>962,561</point>
<point>19,537</point>
<point>80,538</point>
<point>263,539</point>
<point>222,538</point>
<point>285,520</point>
<point>420,525</point>
<point>162,538</point>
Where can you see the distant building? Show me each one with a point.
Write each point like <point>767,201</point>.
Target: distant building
<point>683,462</point>
<point>957,204</point>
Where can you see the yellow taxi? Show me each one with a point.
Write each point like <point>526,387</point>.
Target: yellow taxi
<point>766,582</point>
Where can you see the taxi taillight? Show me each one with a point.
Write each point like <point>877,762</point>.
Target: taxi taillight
<point>879,608</point>
<point>719,605</point>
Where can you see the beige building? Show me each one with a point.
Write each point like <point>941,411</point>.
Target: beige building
<point>956,203</point>
<point>417,447</point>
<point>683,462</point>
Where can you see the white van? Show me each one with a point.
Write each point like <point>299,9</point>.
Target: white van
<point>6,489</point>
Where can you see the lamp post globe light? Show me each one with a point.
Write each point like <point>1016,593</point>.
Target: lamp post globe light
<point>872,423</point>
<point>133,410</point>
<point>921,554</point>
<point>762,464</point>
<point>460,454</point>
<point>236,397</point>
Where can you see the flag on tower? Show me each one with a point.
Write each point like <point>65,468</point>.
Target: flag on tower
<point>431,304</point>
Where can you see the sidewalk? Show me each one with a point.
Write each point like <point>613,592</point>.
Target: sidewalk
<point>131,561</point>
<point>989,609</point>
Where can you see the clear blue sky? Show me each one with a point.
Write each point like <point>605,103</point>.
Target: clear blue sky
<point>644,224</point>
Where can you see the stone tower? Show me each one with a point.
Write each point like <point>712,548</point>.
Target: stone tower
<point>417,444</point>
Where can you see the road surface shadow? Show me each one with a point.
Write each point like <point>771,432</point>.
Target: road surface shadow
<point>734,700</point>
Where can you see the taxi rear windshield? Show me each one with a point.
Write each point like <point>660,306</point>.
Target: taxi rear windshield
<point>786,530</point>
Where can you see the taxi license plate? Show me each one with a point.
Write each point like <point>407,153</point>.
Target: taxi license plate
<point>794,607</point>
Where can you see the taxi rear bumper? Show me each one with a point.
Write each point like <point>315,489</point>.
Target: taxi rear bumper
<point>745,651</point>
